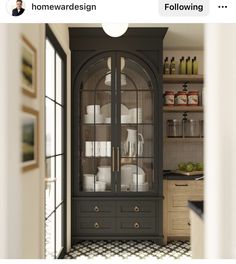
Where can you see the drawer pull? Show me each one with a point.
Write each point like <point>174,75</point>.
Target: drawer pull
<point>96,225</point>
<point>136,225</point>
<point>181,185</point>
<point>96,208</point>
<point>189,224</point>
<point>136,209</point>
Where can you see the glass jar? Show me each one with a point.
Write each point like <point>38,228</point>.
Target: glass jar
<point>193,98</point>
<point>174,128</point>
<point>191,128</point>
<point>169,98</point>
<point>201,123</point>
<point>181,98</point>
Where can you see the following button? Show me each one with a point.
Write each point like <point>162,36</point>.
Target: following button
<point>183,7</point>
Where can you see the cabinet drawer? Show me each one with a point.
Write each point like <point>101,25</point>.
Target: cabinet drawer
<point>136,226</point>
<point>179,202</point>
<point>185,186</point>
<point>96,226</point>
<point>136,208</point>
<point>178,224</point>
<point>96,208</point>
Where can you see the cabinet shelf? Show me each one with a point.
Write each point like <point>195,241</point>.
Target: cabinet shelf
<point>183,108</point>
<point>183,140</point>
<point>181,78</point>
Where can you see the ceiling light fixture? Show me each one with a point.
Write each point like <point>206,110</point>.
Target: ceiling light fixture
<point>115,30</point>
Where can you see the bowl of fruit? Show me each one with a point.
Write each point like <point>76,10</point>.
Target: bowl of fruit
<point>190,168</point>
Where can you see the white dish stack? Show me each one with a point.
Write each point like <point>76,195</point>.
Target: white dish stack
<point>93,115</point>
<point>97,148</point>
<point>139,184</point>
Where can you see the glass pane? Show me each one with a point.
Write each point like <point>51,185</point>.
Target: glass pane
<point>50,128</point>
<point>50,70</point>
<point>147,166</point>
<point>59,225</point>
<point>58,129</point>
<point>59,173</point>
<point>50,186</point>
<point>96,175</point>
<point>58,79</point>
<point>133,76</point>
<point>145,107</point>
<point>145,141</point>
<point>129,103</point>
<point>98,75</point>
<point>129,174</point>
<point>50,237</point>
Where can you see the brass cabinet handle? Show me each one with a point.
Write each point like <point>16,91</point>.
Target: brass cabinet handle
<point>113,159</point>
<point>118,158</point>
<point>136,209</point>
<point>96,208</point>
<point>96,225</point>
<point>136,225</point>
<point>181,185</point>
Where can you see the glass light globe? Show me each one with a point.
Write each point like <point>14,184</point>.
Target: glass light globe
<point>115,30</point>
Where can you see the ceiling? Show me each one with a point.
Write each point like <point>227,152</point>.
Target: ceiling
<point>179,36</point>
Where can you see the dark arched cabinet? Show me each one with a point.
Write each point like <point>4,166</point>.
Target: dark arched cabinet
<point>117,134</point>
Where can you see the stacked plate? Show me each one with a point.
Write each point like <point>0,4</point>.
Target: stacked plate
<point>93,115</point>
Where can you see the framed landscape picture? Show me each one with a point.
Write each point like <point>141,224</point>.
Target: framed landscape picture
<point>30,134</point>
<point>28,68</point>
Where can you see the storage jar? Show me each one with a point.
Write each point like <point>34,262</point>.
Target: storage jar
<point>181,98</point>
<point>193,98</point>
<point>169,98</point>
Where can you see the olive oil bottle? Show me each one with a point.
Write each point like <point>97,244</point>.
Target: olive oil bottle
<point>195,65</point>
<point>173,66</point>
<point>189,66</point>
<point>182,66</point>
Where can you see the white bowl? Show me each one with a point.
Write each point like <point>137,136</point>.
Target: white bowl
<point>100,186</point>
<point>138,178</point>
<point>91,109</point>
<point>125,119</point>
<point>108,120</point>
<point>89,119</point>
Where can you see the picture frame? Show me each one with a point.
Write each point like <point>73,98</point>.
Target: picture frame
<point>30,139</point>
<point>28,68</point>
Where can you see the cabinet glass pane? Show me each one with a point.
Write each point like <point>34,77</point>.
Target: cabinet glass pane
<point>50,70</point>
<point>129,104</point>
<point>50,186</point>
<point>148,167</point>
<point>58,129</point>
<point>133,76</point>
<point>96,175</point>
<point>145,141</point>
<point>58,79</point>
<point>50,128</point>
<point>144,112</point>
<point>59,226</point>
<point>59,169</point>
<point>50,237</point>
<point>98,75</point>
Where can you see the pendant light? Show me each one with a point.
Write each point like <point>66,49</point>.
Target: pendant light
<point>115,29</point>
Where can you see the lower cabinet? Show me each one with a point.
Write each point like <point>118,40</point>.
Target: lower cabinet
<point>176,220</point>
<point>106,219</point>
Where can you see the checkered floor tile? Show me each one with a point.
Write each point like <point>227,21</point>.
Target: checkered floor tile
<point>92,250</point>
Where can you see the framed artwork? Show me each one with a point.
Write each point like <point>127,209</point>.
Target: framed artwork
<point>30,134</point>
<point>28,68</point>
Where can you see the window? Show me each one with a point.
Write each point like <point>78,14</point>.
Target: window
<point>55,138</point>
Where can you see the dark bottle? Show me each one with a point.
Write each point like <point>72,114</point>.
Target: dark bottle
<point>166,66</point>
<point>173,66</point>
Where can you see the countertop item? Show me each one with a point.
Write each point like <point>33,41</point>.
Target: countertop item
<point>197,207</point>
<point>192,173</point>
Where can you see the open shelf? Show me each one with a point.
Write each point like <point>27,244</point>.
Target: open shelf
<point>183,108</point>
<point>181,78</point>
<point>183,140</point>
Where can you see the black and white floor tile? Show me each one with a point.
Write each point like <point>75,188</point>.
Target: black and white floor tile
<point>141,250</point>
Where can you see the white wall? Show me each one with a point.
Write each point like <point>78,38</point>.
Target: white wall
<point>220,154</point>
<point>22,194</point>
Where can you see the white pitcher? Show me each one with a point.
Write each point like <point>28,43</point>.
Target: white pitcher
<point>131,148</point>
